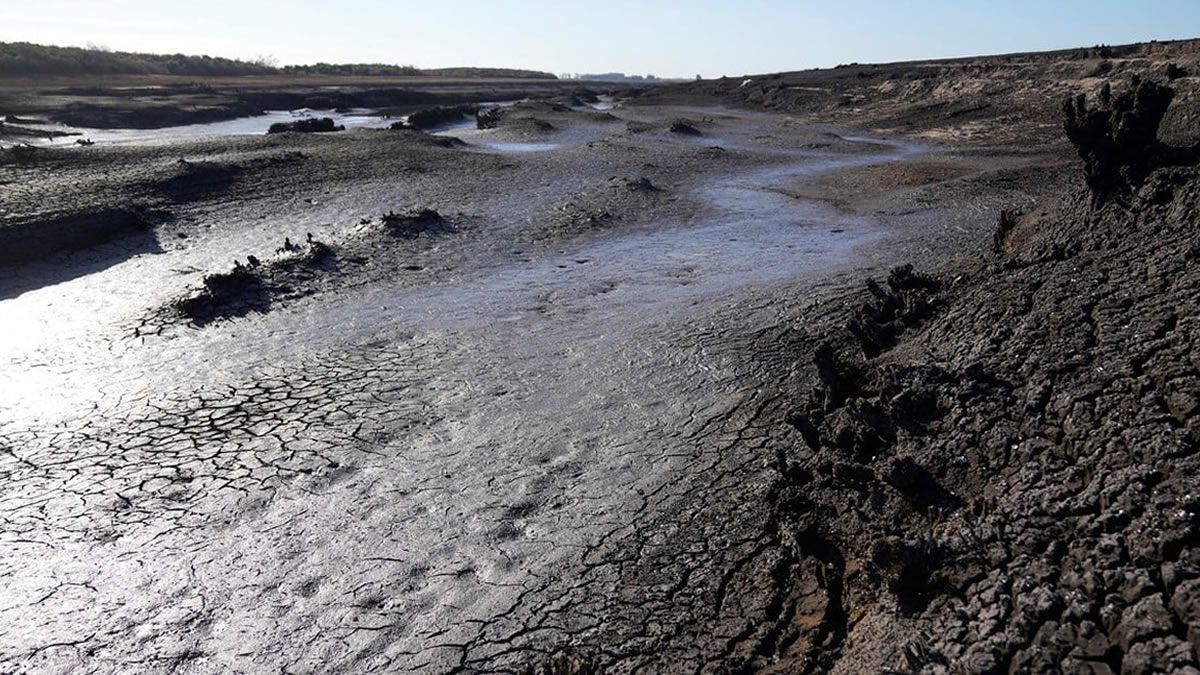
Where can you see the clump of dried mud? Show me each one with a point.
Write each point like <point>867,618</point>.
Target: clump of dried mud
<point>308,268</point>
<point>306,126</point>
<point>254,286</point>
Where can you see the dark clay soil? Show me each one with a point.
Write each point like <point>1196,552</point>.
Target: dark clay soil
<point>993,467</point>
<point>1010,487</point>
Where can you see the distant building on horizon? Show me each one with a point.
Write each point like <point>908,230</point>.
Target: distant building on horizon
<point>613,77</point>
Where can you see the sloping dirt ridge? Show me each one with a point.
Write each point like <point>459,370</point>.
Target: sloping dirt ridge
<point>997,463</point>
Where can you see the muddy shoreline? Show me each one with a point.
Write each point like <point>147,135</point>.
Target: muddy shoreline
<point>381,400</point>
<point>154,105</point>
<point>483,354</point>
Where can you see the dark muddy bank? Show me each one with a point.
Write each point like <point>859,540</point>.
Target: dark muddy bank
<point>59,200</point>
<point>307,126</point>
<point>151,107</point>
<point>431,118</point>
<point>995,463</point>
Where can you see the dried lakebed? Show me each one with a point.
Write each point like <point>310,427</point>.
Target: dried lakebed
<point>525,439</point>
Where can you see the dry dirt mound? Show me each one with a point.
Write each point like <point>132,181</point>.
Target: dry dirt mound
<point>537,118</point>
<point>600,207</point>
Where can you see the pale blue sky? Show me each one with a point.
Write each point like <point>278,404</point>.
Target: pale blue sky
<point>666,38</point>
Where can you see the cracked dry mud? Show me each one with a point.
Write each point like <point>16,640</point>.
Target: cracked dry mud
<point>998,460</point>
<point>1011,486</point>
<point>540,434</point>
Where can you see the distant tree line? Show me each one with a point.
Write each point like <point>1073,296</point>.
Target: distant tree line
<point>24,58</point>
<point>370,69</point>
<point>383,69</point>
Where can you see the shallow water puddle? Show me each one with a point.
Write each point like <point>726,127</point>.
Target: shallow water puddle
<point>518,147</point>
<point>242,126</point>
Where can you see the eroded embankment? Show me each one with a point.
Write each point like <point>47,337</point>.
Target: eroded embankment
<point>1011,100</point>
<point>997,462</point>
